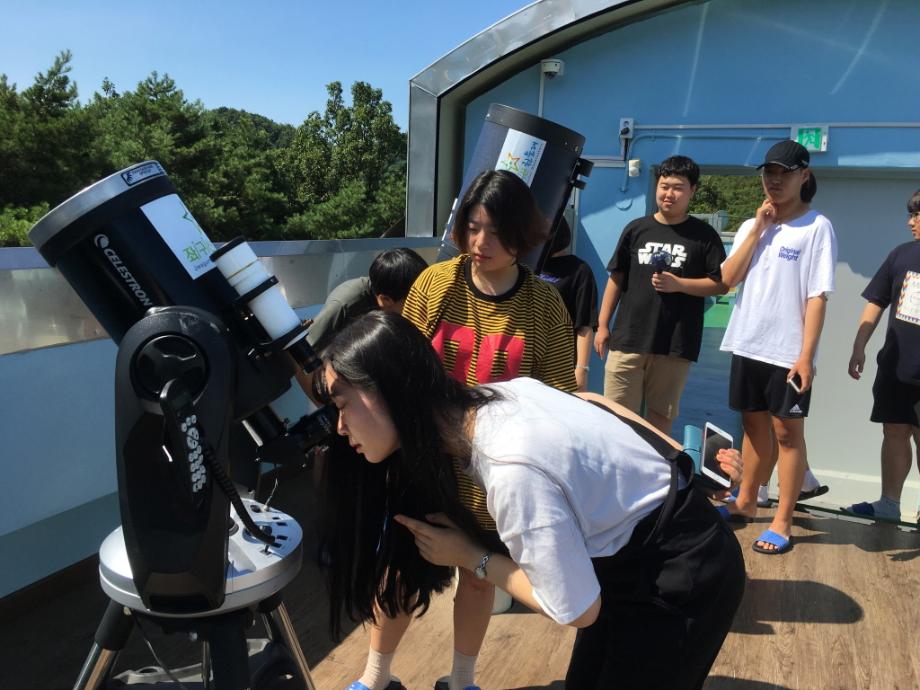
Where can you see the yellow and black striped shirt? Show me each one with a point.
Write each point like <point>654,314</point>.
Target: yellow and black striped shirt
<point>484,338</point>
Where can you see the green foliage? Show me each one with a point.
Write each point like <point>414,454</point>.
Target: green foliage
<point>243,186</point>
<point>44,138</point>
<point>353,211</point>
<point>740,195</point>
<point>15,223</point>
<point>342,215</point>
<point>345,144</point>
<point>340,174</point>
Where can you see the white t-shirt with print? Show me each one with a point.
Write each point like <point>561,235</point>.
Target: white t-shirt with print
<point>792,263</point>
<point>565,482</point>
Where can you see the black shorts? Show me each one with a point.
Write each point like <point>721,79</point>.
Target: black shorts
<point>894,402</point>
<point>757,387</point>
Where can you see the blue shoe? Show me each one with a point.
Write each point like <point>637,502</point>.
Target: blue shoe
<point>729,516</point>
<point>770,537</point>
<point>395,684</point>
<point>763,496</point>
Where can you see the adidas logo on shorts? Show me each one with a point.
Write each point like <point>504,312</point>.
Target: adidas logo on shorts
<point>796,409</point>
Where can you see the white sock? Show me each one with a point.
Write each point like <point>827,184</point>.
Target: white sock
<point>763,494</point>
<point>463,672</point>
<point>810,483</point>
<point>377,672</point>
<point>887,508</point>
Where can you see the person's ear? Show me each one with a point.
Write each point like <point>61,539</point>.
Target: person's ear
<point>385,302</point>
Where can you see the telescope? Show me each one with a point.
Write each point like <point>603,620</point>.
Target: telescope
<point>206,342</point>
<point>545,155</point>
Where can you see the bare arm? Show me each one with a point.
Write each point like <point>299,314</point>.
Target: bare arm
<point>871,315</point>
<point>508,575</point>
<point>583,341</point>
<point>815,308</point>
<point>735,267</point>
<point>440,542</point>
<point>608,305</point>
<point>698,287</point>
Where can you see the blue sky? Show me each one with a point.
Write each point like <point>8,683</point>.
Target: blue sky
<point>272,57</point>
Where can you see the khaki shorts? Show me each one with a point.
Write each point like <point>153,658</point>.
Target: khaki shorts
<point>630,378</point>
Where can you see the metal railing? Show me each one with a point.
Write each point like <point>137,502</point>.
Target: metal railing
<point>38,308</point>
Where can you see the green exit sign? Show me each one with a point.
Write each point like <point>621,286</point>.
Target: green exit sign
<point>812,137</point>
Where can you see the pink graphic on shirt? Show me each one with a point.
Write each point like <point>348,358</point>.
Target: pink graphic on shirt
<point>490,345</point>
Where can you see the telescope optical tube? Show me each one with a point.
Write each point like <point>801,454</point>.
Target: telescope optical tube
<point>259,290</point>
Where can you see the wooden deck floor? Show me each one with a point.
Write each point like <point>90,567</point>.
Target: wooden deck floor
<point>839,611</point>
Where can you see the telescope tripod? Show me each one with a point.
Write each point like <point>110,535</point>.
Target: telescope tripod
<point>228,661</point>
<point>256,573</point>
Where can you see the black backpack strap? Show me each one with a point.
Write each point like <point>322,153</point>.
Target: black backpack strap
<point>662,447</point>
<point>679,460</point>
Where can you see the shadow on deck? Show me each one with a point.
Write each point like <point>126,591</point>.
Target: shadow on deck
<point>838,611</point>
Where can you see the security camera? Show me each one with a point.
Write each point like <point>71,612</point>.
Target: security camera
<point>552,68</point>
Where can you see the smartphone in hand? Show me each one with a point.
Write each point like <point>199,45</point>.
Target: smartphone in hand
<point>714,440</point>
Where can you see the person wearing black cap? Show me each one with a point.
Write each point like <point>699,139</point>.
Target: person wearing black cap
<point>785,257</point>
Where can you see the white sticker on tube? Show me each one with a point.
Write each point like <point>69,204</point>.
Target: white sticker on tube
<point>181,232</point>
<point>521,154</point>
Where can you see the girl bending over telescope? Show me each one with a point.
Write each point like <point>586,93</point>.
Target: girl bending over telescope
<point>600,524</point>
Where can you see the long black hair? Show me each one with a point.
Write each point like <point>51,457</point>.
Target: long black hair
<point>368,557</point>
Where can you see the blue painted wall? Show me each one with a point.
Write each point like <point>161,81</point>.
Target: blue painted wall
<point>57,461</point>
<point>727,62</point>
<point>59,438</point>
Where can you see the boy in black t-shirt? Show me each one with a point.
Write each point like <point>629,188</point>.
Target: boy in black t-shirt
<point>663,267</point>
<point>896,391</point>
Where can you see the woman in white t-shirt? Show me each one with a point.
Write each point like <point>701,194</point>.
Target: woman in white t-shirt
<point>604,530</point>
<point>784,258</point>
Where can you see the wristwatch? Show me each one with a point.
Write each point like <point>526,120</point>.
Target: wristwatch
<point>480,571</point>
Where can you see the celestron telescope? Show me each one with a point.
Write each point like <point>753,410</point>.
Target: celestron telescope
<point>206,341</point>
<point>546,155</point>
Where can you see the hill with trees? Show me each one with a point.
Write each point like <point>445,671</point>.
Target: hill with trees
<point>341,173</point>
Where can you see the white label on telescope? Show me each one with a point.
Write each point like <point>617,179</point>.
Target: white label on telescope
<point>521,154</point>
<point>181,232</point>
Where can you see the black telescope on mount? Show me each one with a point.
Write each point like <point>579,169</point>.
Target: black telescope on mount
<point>546,155</point>
<point>206,342</point>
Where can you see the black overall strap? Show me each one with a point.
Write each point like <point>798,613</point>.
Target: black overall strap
<point>679,461</point>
